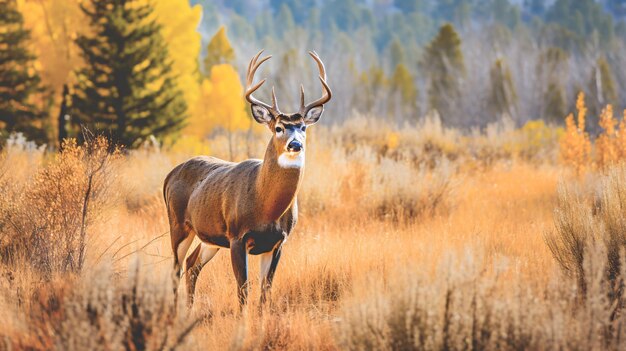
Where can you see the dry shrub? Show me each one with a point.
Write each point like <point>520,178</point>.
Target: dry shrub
<point>45,220</point>
<point>399,191</point>
<point>467,306</point>
<point>379,186</point>
<point>141,177</point>
<point>583,223</point>
<point>100,311</point>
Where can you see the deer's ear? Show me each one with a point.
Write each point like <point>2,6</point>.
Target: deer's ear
<point>261,114</point>
<point>313,115</point>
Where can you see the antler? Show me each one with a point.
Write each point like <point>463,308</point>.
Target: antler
<point>327,94</point>
<point>252,67</point>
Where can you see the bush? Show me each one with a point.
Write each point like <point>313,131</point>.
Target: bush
<point>467,306</point>
<point>584,223</point>
<point>100,311</point>
<point>46,220</point>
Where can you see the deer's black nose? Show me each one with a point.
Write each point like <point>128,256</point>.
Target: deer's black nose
<point>294,146</point>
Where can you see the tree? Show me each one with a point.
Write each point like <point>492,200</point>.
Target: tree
<point>583,17</point>
<point>126,88</point>
<point>54,24</point>
<point>396,52</point>
<point>221,105</point>
<point>602,90</point>
<point>403,84</point>
<point>179,21</point>
<point>502,97</point>
<point>219,51</point>
<point>552,68</point>
<point>18,79</point>
<point>443,60</point>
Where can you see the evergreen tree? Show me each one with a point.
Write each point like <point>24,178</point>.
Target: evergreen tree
<point>443,60</point>
<point>552,67</point>
<point>396,52</point>
<point>602,89</point>
<point>582,17</point>
<point>403,84</point>
<point>219,51</point>
<point>285,18</point>
<point>126,87</point>
<point>18,79</point>
<point>502,98</point>
<point>555,104</point>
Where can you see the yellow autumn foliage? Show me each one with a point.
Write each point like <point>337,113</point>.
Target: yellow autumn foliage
<point>54,25</point>
<point>607,147</point>
<point>221,104</point>
<point>179,22</point>
<point>575,143</point>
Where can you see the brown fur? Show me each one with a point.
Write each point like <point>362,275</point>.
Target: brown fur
<point>222,202</point>
<point>249,207</point>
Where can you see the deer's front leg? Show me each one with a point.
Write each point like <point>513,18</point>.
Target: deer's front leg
<point>269,262</point>
<point>239,258</point>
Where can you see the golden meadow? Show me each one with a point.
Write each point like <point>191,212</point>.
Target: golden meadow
<point>495,240</point>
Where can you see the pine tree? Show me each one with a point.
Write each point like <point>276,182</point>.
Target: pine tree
<point>503,97</point>
<point>443,60</point>
<point>126,88</point>
<point>555,104</point>
<point>602,90</point>
<point>403,84</point>
<point>18,79</point>
<point>219,51</point>
<point>552,67</point>
<point>396,52</point>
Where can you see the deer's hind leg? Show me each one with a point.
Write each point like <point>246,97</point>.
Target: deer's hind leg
<point>196,260</point>
<point>182,237</point>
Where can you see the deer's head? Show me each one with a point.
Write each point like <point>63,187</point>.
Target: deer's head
<point>289,129</point>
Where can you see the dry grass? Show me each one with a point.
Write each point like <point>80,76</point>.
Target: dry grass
<point>411,240</point>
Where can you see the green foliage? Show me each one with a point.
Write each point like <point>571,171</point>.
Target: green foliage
<point>506,13</point>
<point>582,17</point>
<point>555,105</point>
<point>403,84</point>
<point>443,60</point>
<point>126,87</point>
<point>18,79</point>
<point>602,89</point>
<point>396,52</point>
<point>502,97</point>
<point>219,51</point>
<point>551,67</point>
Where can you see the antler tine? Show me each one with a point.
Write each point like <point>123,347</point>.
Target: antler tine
<point>327,93</point>
<point>320,64</point>
<point>252,68</point>
<point>274,100</point>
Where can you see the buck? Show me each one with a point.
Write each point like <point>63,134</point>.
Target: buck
<point>249,207</point>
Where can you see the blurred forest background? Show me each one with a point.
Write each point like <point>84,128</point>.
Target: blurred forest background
<point>172,69</point>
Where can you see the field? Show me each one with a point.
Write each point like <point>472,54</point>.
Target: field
<point>419,237</point>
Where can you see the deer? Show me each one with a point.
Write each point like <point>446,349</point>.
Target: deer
<point>248,207</point>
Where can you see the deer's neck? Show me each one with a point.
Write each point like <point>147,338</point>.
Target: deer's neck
<point>277,184</point>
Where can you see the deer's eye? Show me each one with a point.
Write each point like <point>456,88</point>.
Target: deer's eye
<point>279,130</point>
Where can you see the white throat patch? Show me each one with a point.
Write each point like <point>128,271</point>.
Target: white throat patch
<point>291,160</point>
